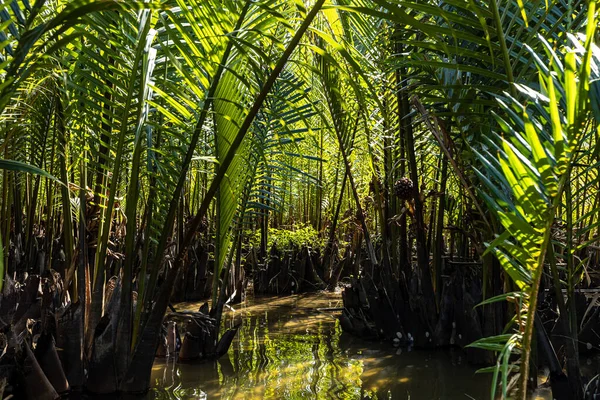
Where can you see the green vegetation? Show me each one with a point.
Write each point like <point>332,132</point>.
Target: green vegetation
<point>443,154</point>
<point>302,235</point>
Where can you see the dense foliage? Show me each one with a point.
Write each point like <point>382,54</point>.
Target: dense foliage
<point>395,134</point>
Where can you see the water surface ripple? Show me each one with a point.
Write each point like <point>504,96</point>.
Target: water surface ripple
<point>287,349</point>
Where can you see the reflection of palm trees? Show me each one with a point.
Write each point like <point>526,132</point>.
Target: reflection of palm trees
<point>336,388</point>
<point>291,352</point>
<point>316,365</point>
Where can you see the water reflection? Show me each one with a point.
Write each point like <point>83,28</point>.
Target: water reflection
<point>287,349</point>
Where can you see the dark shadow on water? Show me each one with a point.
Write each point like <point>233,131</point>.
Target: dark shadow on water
<point>287,349</point>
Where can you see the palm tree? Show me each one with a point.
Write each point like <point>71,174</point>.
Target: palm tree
<point>145,97</point>
<point>490,49</point>
<point>126,125</point>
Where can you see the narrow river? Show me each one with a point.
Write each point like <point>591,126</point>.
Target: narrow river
<point>287,349</point>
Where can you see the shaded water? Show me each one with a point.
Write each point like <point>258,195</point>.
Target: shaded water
<point>287,349</point>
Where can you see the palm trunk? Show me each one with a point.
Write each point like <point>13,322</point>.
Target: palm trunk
<point>423,270</point>
<point>439,232</point>
<point>330,242</point>
<point>404,256</point>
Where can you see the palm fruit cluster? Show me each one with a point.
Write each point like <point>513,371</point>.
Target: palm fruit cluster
<point>404,188</point>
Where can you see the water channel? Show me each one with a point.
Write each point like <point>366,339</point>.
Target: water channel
<point>289,348</point>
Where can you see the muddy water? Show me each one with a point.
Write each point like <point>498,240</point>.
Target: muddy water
<point>287,349</point>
